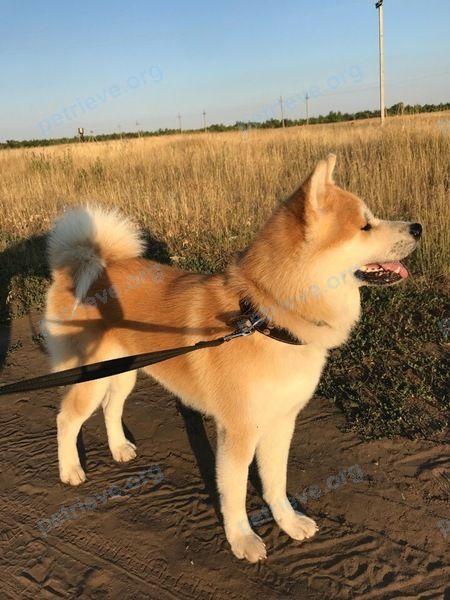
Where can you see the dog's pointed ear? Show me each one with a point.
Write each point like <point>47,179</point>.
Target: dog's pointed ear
<point>331,162</point>
<point>315,185</point>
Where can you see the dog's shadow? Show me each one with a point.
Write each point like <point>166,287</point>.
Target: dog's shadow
<point>23,267</point>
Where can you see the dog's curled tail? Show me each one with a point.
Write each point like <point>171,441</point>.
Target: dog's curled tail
<point>87,239</point>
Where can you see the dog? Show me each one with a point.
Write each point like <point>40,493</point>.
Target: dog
<point>301,275</point>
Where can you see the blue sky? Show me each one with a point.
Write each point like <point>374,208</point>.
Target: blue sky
<point>107,65</point>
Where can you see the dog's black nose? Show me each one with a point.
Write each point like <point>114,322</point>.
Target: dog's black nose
<point>415,229</point>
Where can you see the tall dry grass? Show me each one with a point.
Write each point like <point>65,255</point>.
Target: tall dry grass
<point>204,195</point>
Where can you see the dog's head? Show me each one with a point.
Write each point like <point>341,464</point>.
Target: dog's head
<point>342,236</point>
<point>311,257</point>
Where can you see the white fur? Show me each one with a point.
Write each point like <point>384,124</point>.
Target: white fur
<point>85,239</point>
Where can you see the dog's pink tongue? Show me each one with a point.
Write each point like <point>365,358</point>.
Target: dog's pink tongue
<point>393,266</point>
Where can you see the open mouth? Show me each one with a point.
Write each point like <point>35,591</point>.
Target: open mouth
<point>382,273</point>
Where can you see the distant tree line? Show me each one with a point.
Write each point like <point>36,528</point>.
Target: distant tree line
<point>332,117</point>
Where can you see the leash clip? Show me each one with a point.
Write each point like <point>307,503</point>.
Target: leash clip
<point>246,325</point>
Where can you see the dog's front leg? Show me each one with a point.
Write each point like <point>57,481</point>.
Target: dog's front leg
<point>235,451</point>
<point>272,454</point>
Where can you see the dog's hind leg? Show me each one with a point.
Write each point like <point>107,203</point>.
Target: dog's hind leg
<point>272,456</point>
<point>235,451</point>
<point>78,405</point>
<point>119,388</point>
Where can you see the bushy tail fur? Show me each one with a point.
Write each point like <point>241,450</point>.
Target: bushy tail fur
<point>87,239</point>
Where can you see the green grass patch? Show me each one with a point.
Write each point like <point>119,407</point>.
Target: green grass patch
<point>391,378</point>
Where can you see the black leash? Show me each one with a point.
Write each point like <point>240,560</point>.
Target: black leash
<point>105,368</point>
<point>247,323</point>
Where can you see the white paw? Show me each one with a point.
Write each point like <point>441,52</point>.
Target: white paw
<point>124,452</point>
<point>298,526</point>
<point>73,475</point>
<point>249,546</point>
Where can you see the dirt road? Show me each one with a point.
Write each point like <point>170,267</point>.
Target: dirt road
<point>150,529</point>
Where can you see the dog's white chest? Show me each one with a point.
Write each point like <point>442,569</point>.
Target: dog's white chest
<point>290,382</point>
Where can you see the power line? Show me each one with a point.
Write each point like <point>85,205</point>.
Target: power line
<point>204,120</point>
<point>307,109</point>
<point>350,89</point>
<point>179,122</point>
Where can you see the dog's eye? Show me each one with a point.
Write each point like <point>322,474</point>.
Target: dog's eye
<point>367,227</point>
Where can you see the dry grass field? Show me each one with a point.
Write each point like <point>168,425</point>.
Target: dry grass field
<point>203,196</point>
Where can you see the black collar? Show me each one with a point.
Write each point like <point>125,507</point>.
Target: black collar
<point>250,315</point>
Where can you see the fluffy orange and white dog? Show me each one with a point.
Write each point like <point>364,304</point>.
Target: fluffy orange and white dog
<point>107,302</point>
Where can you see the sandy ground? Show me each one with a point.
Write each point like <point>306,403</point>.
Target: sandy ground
<point>150,529</point>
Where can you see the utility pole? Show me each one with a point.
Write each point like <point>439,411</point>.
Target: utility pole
<point>282,112</point>
<point>307,110</point>
<point>179,121</point>
<point>204,120</point>
<point>379,7</point>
